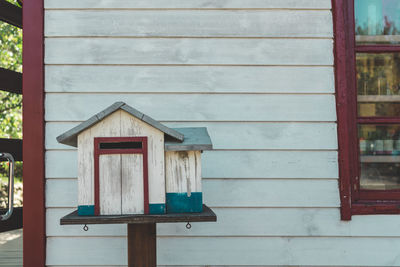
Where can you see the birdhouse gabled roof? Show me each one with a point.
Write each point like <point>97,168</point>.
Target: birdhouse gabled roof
<point>70,137</point>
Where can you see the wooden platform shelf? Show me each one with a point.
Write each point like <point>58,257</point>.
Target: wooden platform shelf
<point>206,216</point>
<point>141,230</point>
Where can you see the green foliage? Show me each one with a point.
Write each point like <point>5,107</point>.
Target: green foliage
<point>10,104</point>
<point>10,58</point>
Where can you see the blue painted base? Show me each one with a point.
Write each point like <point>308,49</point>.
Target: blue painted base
<point>156,208</point>
<point>86,210</point>
<point>180,202</point>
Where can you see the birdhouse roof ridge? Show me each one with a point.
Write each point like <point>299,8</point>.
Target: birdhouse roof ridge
<point>70,136</point>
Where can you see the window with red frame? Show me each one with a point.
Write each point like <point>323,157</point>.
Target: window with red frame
<point>368,75</point>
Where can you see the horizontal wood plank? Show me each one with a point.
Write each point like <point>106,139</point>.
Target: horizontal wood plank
<point>197,107</point>
<point>189,51</point>
<point>11,248</point>
<point>231,193</point>
<point>250,222</point>
<point>305,251</point>
<point>189,79</point>
<point>240,135</point>
<point>231,164</point>
<point>201,4</point>
<point>270,164</point>
<point>62,193</point>
<point>188,23</point>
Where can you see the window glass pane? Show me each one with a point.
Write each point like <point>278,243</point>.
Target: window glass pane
<point>377,21</point>
<point>380,156</point>
<point>378,84</point>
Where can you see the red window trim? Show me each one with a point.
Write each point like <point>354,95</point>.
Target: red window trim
<point>98,151</point>
<point>346,105</point>
<point>34,221</point>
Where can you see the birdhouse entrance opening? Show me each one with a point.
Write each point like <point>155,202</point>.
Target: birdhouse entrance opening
<point>121,145</point>
<point>121,175</point>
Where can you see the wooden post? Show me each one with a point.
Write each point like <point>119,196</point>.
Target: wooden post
<point>142,245</point>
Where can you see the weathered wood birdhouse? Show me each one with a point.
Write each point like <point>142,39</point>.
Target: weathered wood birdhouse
<point>128,163</point>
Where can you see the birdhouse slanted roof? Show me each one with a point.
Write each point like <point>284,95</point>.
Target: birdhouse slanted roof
<point>177,139</point>
<point>196,138</point>
<point>70,137</point>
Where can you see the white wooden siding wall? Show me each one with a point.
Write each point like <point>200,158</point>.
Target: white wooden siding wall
<point>259,74</point>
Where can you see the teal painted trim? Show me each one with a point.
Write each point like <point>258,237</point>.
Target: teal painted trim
<point>180,202</point>
<point>86,210</point>
<point>157,208</point>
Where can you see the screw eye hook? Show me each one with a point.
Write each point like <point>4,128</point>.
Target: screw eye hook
<point>85,228</point>
<point>188,225</point>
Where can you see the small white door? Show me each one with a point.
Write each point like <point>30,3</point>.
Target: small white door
<point>121,185</point>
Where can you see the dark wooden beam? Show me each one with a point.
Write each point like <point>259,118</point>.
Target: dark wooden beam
<point>142,245</point>
<point>34,246</point>
<point>10,13</point>
<point>10,81</point>
<point>14,222</point>
<point>12,146</point>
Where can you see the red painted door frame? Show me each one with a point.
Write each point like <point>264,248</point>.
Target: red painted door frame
<point>98,151</point>
<point>34,220</point>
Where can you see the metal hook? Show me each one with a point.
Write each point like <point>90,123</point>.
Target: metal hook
<point>85,228</point>
<point>188,225</point>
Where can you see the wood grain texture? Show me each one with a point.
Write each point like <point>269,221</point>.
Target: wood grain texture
<point>271,193</point>
<point>260,135</point>
<point>183,172</point>
<point>132,184</point>
<point>70,137</point>
<point>34,220</point>
<point>110,184</point>
<point>231,193</point>
<point>232,164</point>
<point>85,169</point>
<point>11,252</point>
<point>198,107</point>
<point>255,222</point>
<point>109,127</point>
<point>270,164</point>
<point>241,135</point>
<point>131,126</point>
<point>61,193</point>
<point>189,51</point>
<point>207,250</point>
<point>119,123</point>
<point>183,79</point>
<point>187,23</point>
<point>156,4</point>
<point>196,139</point>
<point>142,245</point>
<point>346,94</point>
<point>206,215</point>
<point>236,126</point>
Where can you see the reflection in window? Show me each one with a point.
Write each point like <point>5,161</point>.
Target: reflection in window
<point>377,21</point>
